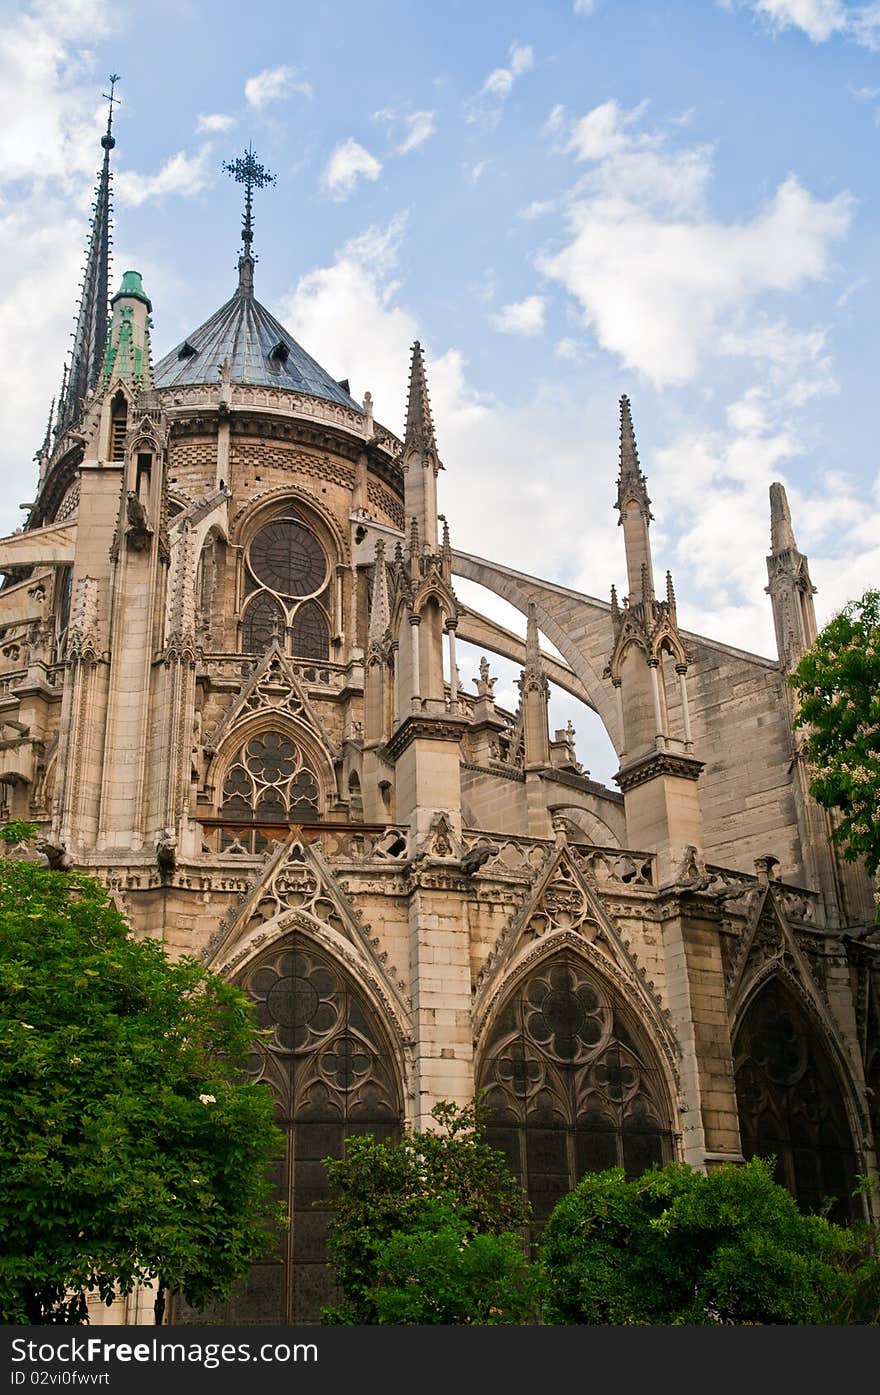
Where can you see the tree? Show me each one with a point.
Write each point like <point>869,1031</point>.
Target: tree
<point>425,1230</point>
<point>678,1246</point>
<point>838,683</point>
<point>131,1147</point>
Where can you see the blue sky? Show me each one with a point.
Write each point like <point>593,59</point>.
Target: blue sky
<point>563,201</point>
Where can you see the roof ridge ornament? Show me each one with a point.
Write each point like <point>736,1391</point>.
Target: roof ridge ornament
<point>248,171</point>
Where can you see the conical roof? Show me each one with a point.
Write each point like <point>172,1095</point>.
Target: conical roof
<point>260,350</point>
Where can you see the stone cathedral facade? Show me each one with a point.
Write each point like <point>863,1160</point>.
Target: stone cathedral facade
<point>228,689</point>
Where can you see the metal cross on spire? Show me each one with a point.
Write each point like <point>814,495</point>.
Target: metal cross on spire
<point>108,140</point>
<point>248,171</point>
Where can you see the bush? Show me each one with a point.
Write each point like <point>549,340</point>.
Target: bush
<point>677,1246</point>
<point>427,1225</point>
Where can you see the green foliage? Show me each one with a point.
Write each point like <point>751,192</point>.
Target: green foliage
<point>838,683</point>
<point>130,1146</point>
<point>440,1272</point>
<point>677,1246</point>
<point>18,831</point>
<point>408,1204</point>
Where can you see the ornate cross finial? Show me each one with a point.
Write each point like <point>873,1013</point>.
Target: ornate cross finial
<point>108,140</point>
<point>248,171</point>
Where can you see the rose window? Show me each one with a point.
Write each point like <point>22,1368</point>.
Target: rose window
<point>286,582</point>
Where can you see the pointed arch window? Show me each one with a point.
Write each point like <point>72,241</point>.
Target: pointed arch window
<point>572,1084</point>
<point>326,1056</point>
<point>790,1102</point>
<point>287,573</point>
<point>269,780</point>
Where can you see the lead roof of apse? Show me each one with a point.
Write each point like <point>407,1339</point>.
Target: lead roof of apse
<point>260,350</point>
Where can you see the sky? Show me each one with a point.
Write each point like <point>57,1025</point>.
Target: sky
<point>563,201</point>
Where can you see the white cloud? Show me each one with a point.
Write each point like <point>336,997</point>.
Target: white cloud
<point>421,126</point>
<point>499,83</point>
<point>662,283</point>
<point>474,173</point>
<point>272,85</point>
<point>521,317</point>
<point>181,174</point>
<point>820,20</point>
<point>567,348</point>
<point>207,125</point>
<point>584,7</point>
<point>51,121</point>
<point>348,163</point>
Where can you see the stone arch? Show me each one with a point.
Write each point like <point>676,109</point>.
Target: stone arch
<point>575,1079</point>
<point>579,626</point>
<point>794,1095</point>
<point>328,1054</point>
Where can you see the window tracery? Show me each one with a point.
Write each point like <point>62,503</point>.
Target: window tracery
<point>326,1057</point>
<point>570,1086</point>
<point>287,578</point>
<point>789,1102</point>
<point>269,780</point>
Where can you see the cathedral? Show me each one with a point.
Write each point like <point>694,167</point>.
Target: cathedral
<point>229,691</point>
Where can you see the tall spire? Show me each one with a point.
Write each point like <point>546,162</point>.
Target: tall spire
<point>790,590</point>
<point>90,334</point>
<point>631,484</point>
<point>634,508</point>
<point>248,171</point>
<point>419,434</point>
<point>420,459</point>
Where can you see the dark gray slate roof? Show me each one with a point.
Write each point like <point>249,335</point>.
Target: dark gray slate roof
<point>260,350</point>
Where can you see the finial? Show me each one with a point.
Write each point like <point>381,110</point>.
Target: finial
<point>276,629</point>
<point>248,171</point>
<point>670,591</point>
<point>108,140</point>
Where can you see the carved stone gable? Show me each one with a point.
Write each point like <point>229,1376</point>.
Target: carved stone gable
<point>272,687</point>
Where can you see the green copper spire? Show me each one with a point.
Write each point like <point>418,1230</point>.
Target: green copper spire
<point>128,346</point>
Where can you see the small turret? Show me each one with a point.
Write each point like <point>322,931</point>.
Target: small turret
<point>421,463</point>
<point>634,508</point>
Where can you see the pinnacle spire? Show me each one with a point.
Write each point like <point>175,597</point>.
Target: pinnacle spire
<point>90,333</point>
<point>781,531</point>
<point>631,482</point>
<point>248,171</point>
<point>533,647</point>
<point>380,608</point>
<point>419,434</point>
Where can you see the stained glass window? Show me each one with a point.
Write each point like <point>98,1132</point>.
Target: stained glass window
<point>328,1062</point>
<point>310,638</point>
<point>270,780</point>
<point>571,1084</point>
<point>789,1102</point>
<point>262,620</point>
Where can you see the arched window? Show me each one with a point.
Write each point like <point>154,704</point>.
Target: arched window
<point>310,636</point>
<point>287,574</point>
<point>789,1101</point>
<point>269,781</point>
<point>572,1085</point>
<point>328,1061</point>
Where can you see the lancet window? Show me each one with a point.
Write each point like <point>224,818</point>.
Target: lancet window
<point>571,1084</point>
<point>327,1059</point>
<point>790,1104</point>
<point>270,781</point>
<point>288,591</point>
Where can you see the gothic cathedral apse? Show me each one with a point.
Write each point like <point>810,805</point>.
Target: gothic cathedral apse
<point>228,689</point>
